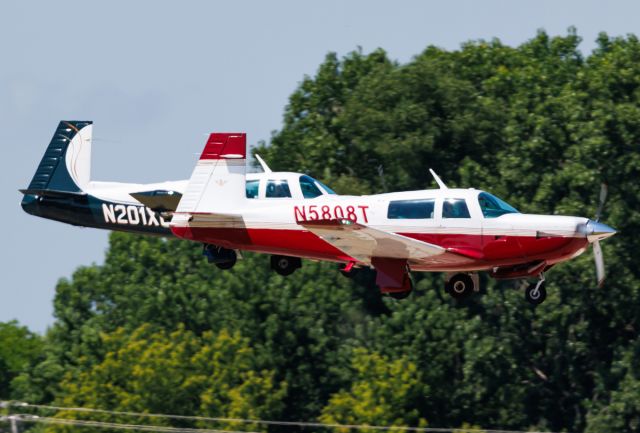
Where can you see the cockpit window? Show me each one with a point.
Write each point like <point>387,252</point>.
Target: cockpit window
<point>278,189</point>
<point>455,208</point>
<point>309,187</point>
<point>252,188</point>
<point>493,207</point>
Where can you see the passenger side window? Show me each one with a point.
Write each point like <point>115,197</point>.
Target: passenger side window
<point>252,188</point>
<point>278,189</point>
<point>411,209</point>
<point>455,208</point>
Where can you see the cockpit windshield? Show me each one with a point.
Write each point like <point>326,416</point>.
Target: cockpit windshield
<point>309,187</point>
<point>312,187</point>
<point>493,207</point>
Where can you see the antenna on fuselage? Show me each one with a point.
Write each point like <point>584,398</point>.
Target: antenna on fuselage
<point>438,180</point>
<point>264,165</point>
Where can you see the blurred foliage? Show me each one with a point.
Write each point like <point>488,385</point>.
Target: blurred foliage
<point>19,350</point>
<point>541,125</point>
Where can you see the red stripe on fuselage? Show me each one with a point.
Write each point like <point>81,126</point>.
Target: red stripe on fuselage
<point>493,250</point>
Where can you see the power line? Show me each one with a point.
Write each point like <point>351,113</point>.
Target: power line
<point>103,424</point>
<point>259,421</point>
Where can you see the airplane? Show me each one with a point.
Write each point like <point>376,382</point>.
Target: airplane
<point>457,231</point>
<point>62,190</point>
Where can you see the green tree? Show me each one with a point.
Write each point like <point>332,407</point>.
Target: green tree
<point>178,372</point>
<point>383,392</point>
<point>19,348</point>
<point>541,124</point>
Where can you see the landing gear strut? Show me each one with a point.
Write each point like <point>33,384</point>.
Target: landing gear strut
<point>536,293</point>
<point>349,270</point>
<point>285,265</point>
<point>223,258</point>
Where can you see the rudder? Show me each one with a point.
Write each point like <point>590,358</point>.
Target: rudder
<point>66,163</point>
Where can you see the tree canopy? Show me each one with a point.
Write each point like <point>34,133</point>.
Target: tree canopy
<point>542,125</point>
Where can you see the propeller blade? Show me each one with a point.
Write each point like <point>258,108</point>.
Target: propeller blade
<point>603,198</point>
<point>597,255</point>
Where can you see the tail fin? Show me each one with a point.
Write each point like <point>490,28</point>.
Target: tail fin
<point>66,164</point>
<point>217,184</point>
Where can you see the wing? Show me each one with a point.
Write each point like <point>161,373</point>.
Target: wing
<point>159,200</point>
<point>362,243</point>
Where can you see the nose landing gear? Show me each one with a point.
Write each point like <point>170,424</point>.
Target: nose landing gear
<point>536,293</point>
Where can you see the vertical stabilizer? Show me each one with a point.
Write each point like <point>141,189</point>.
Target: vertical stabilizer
<point>66,164</point>
<point>218,181</point>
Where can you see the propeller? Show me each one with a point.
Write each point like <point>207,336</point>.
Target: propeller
<point>597,250</point>
<point>603,198</point>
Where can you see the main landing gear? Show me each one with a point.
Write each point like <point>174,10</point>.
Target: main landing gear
<point>461,285</point>
<point>285,265</point>
<point>536,293</point>
<point>223,258</point>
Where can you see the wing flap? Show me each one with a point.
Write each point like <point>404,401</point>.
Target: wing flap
<point>363,242</point>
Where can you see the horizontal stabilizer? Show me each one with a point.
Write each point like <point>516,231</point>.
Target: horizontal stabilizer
<point>205,219</point>
<point>52,193</point>
<point>159,200</point>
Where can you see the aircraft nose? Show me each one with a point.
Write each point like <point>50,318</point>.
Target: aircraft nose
<point>596,231</point>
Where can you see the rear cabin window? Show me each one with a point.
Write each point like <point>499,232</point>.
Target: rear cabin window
<point>309,187</point>
<point>252,188</point>
<point>278,189</point>
<point>455,208</point>
<point>411,209</point>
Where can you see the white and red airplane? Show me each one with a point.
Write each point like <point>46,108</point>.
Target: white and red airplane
<point>62,190</point>
<point>457,231</point>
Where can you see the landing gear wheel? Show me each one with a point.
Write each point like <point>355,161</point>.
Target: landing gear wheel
<point>535,293</point>
<point>460,286</point>
<point>407,288</point>
<point>223,258</point>
<point>228,264</point>
<point>285,265</point>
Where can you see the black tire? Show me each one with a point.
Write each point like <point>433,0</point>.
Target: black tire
<point>285,265</point>
<point>460,286</point>
<point>535,297</point>
<point>228,264</point>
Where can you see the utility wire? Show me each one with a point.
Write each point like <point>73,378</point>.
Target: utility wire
<point>102,424</point>
<point>265,422</point>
